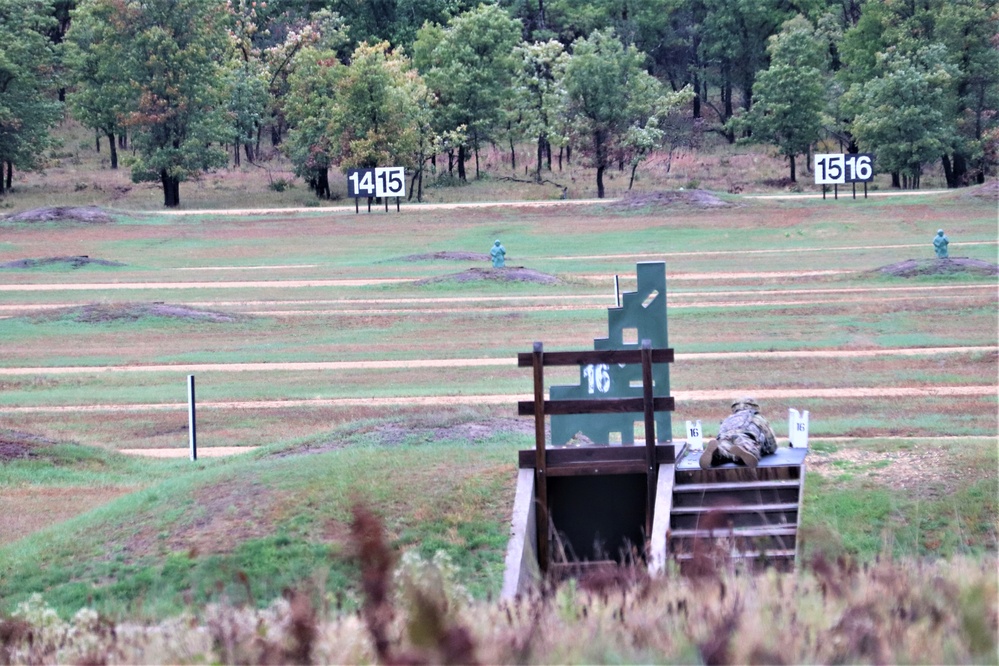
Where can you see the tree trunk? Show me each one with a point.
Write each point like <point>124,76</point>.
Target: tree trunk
<point>2,178</point>
<point>123,140</point>
<point>560,149</point>
<point>475,151</point>
<point>895,181</point>
<point>548,154</point>
<point>541,150</point>
<point>568,155</point>
<point>794,177</point>
<point>461,163</point>
<point>235,153</point>
<point>323,184</point>
<point>600,182</point>
<point>171,190</point>
<point>248,149</point>
<point>955,170</point>
<point>114,150</point>
<point>634,168</point>
<point>10,174</point>
<point>97,142</point>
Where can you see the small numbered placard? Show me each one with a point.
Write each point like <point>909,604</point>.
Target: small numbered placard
<point>380,182</point>
<point>839,168</point>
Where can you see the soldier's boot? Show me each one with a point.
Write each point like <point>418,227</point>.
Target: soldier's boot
<point>745,454</point>
<point>707,458</point>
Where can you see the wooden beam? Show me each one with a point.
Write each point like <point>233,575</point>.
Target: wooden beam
<point>595,406</point>
<point>650,436</point>
<point>538,362</point>
<point>586,356</point>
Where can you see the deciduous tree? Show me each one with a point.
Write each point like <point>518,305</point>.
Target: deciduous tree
<point>469,65</point>
<point>609,92</point>
<point>170,53</point>
<point>790,93</point>
<point>27,106</point>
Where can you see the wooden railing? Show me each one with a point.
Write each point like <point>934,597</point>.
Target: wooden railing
<point>648,405</point>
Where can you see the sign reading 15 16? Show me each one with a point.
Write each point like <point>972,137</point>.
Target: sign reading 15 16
<point>837,168</point>
<point>380,182</point>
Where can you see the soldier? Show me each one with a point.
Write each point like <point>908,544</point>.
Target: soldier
<point>742,437</point>
<point>940,242</point>
<point>498,254</point>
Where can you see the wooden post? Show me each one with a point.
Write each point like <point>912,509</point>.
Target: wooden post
<point>540,460</point>
<point>650,435</point>
<point>192,427</point>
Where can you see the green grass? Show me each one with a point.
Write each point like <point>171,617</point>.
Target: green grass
<point>127,558</point>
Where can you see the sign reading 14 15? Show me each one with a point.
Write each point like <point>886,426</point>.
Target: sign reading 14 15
<point>380,182</point>
<point>838,169</point>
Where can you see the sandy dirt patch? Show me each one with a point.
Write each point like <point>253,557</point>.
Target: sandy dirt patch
<point>474,362</point>
<point>28,509</point>
<point>185,452</point>
<point>512,399</point>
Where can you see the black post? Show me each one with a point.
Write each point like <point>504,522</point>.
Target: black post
<point>192,427</point>
<point>356,207</point>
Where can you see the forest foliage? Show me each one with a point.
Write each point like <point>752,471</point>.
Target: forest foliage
<point>191,85</point>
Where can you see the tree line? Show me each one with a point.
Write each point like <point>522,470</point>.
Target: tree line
<point>187,85</point>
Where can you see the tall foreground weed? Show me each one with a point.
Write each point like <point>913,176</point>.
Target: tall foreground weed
<point>417,612</point>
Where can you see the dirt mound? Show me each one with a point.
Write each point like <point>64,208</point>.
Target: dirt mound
<point>86,214</point>
<point>950,266</point>
<point>508,274</point>
<point>693,198</point>
<point>447,256</point>
<point>989,190</point>
<point>15,444</point>
<point>72,262</point>
<point>475,431</point>
<point>98,313</point>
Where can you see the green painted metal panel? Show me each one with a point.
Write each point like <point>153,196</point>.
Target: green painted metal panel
<point>642,316</point>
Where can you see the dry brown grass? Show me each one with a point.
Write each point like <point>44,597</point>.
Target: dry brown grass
<point>829,612</point>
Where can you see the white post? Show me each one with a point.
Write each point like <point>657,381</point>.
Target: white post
<point>191,424</point>
<point>695,436</point>
<point>797,428</point>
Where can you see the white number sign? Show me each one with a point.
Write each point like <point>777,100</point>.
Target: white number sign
<point>598,377</point>
<point>830,169</point>
<point>839,169</point>
<point>380,182</point>
<point>390,182</point>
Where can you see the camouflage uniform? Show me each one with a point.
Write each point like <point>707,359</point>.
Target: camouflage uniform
<point>742,437</point>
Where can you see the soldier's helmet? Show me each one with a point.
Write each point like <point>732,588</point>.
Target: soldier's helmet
<point>744,402</point>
